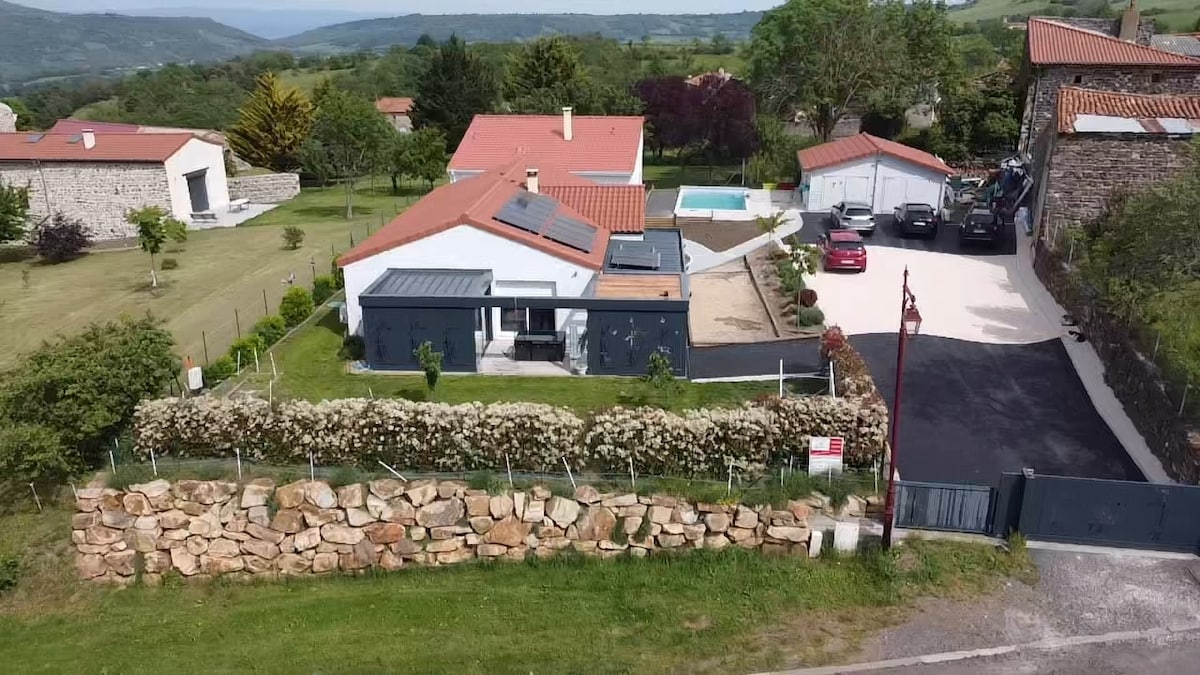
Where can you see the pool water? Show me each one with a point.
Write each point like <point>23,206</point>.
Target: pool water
<point>718,200</point>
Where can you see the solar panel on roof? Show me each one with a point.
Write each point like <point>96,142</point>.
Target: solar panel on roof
<point>638,255</point>
<point>75,139</point>
<point>528,212</point>
<point>34,138</point>
<point>571,232</point>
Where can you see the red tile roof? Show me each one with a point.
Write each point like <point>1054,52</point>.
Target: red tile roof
<point>74,126</point>
<point>473,201</point>
<point>606,144</point>
<point>1053,43</point>
<point>863,146</point>
<point>397,105</point>
<point>109,147</point>
<point>617,208</point>
<point>1075,101</point>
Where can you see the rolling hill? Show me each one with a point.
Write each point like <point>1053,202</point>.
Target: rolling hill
<point>1171,15</point>
<point>404,30</point>
<point>35,42</point>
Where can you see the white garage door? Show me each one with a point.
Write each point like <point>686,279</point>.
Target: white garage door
<point>825,191</point>
<point>858,189</point>
<point>899,190</point>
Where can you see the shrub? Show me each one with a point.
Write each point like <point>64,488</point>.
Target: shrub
<point>243,349</point>
<point>292,237</point>
<point>353,348</point>
<point>270,329</point>
<point>431,363</point>
<point>296,306</point>
<point>338,274</point>
<point>853,377</point>
<point>30,452</point>
<point>810,316</point>
<point>169,264</point>
<point>60,239</point>
<point>808,298</point>
<point>10,572</point>
<point>324,287</point>
<point>219,370</point>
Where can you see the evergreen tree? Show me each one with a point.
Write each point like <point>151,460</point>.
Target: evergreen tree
<point>457,86</point>
<point>546,75</point>
<point>272,126</point>
<point>14,210</point>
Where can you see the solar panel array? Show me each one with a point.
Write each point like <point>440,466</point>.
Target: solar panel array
<point>528,212</point>
<point>636,256</point>
<point>570,232</point>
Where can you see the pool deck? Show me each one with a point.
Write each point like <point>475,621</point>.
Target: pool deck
<point>758,203</point>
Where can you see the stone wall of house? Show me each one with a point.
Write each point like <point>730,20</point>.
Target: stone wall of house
<point>269,188</point>
<point>96,193</point>
<point>1134,378</point>
<point>202,529</point>
<point>1130,79</point>
<point>1086,169</point>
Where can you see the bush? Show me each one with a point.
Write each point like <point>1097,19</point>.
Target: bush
<point>10,572</point>
<point>296,306</point>
<point>169,264</point>
<point>243,349</point>
<point>324,287</point>
<point>853,377</point>
<point>35,453</point>
<point>811,316</point>
<point>354,348</point>
<point>292,237</point>
<point>219,370</point>
<point>270,329</point>
<point>60,239</point>
<point>808,298</point>
<point>431,364</point>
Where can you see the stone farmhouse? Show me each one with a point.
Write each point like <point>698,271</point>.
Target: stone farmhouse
<point>396,110</point>
<point>98,177</point>
<point>1095,54</point>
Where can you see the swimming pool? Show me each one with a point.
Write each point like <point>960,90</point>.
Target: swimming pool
<point>715,200</point>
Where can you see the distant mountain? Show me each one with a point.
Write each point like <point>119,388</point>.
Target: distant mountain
<point>35,42</point>
<point>269,23</point>
<point>404,30</point>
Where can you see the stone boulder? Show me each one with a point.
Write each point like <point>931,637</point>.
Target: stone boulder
<point>509,532</point>
<point>100,535</point>
<point>257,492</point>
<point>223,548</point>
<point>215,566</point>
<point>137,504</point>
<point>351,496</point>
<point>117,518</point>
<point>420,493</point>
<point>90,565</point>
<point>320,495</point>
<point>185,562</point>
<point>500,506</point>
<point>324,562</point>
<point>597,523</point>
<point>306,539</point>
<point>260,548</point>
<point>387,488</point>
<point>290,496</point>
<point>340,534</point>
<point>440,513</point>
<point>174,519</point>
<point>288,521</point>
<point>357,517</point>
<point>562,511</point>
<point>292,564</point>
<point>153,490</point>
<point>587,494</point>
<point>384,533</point>
<point>716,521</point>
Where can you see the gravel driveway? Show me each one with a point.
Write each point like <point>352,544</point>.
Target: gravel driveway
<point>725,308</point>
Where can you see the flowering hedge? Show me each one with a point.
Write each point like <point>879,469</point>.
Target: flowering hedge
<point>534,436</point>
<point>853,378</point>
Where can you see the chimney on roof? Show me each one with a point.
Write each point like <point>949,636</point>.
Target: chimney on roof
<point>568,127</point>
<point>531,180</point>
<point>1130,18</point>
<point>89,139</point>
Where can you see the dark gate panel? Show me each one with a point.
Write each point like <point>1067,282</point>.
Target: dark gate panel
<point>621,342</point>
<point>391,335</point>
<point>944,506</point>
<point>1112,513</point>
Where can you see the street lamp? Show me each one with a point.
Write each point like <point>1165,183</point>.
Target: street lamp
<point>910,324</point>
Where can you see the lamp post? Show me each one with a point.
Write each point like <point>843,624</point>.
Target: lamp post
<point>910,324</point>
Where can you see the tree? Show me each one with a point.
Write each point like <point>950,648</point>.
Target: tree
<point>420,154</point>
<point>292,237</point>
<point>672,111</point>
<point>770,223</point>
<point>825,57</point>
<point>726,115</point>
<point>84,388</point>
<point>296,306</point>
<point>349,132</point>
<point>457,86</point>
<point>25,120</point>
<point>14,211</point>
<point>154,227</point>
<point>60,239</point>
<point>545,75</point>
<point>272,125</point>
<point>431,364</point>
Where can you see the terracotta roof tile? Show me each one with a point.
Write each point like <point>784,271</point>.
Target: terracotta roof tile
<point>473,201</point>
<point>866,145</point>
<point>617,208</point>
<point>74,126</point>
<point>394,105</point>
<point>120,147</point>
<point>599,143</point>
<point>1053,43</point>
<point>1075,101</point>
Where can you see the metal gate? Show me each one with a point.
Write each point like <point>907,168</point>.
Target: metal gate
<point>944,506</point>
<point>1111,513</point>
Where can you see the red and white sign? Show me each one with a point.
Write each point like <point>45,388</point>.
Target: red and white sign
<point>825,455</point>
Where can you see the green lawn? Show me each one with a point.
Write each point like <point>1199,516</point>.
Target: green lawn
<point>736,611</point>
<point>307,80</point>
<point>220,270</point>
<point>309,368</point>
<point>672,175</point>
<point>1177,15</point>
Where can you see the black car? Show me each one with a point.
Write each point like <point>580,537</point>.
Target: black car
<point>910,219</point>
<point>981,226</point>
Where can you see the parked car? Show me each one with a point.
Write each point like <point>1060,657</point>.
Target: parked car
<point>842,250</point>
<point>852,216</point>
<point>981,226</point>
<point>916,219</point>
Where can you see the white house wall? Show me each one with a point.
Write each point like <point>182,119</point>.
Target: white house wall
<point>197,155</point>
<point>884,182</point>
<point>465,247</point>
<point>852,181</point>
<point>898,182</point>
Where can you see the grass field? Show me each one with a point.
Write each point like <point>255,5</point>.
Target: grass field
<point>667,176</point>
<point>735,611</point>
<point>311,369</point>
<point>1177,15</point>
<point>306,80</point>
<point>219,271</point>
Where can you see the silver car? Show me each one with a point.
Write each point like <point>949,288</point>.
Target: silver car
<point>852,216</point>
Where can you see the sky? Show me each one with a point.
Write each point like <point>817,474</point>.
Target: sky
<point>392,8</point>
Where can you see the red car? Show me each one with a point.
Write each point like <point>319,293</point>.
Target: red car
<point>842,250</point>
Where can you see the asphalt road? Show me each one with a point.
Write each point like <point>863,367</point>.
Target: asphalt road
<point>946,240</point>
<point>760,358</point>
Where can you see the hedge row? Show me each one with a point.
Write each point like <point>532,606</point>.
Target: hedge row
<point>534,436</point>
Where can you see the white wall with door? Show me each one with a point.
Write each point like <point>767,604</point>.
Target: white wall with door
<point>196,177</point>
<point>899,182</point>
<point>849,182</point>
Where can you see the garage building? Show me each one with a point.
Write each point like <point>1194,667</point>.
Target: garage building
<point>870,170</point>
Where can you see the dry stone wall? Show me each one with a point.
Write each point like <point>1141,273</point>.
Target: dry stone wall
<point>270,188</point>
<point>204,529</point>
<point>98,194</point>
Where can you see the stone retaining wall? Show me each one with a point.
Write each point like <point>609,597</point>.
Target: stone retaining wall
<point>268,188</point>
<point>202,529</point>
